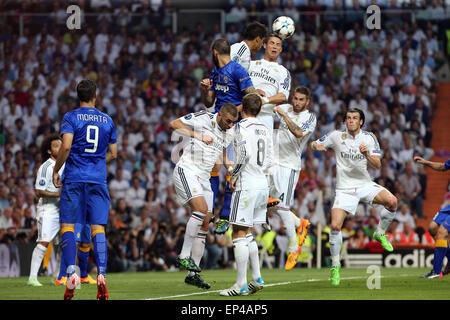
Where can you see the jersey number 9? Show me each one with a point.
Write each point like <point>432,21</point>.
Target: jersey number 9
<point>90,139</point>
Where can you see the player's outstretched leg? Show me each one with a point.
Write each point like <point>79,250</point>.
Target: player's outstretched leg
<point>389,201</point>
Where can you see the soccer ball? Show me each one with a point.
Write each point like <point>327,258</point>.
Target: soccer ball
<point>283,27</point>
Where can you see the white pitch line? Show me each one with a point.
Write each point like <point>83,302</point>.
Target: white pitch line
<point>266,285</point>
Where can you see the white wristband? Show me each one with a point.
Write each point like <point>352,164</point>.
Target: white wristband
<point>265,100</point>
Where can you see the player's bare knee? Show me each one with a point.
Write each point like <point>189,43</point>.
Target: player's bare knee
<point>441,233</point>
<point>335,227</point>
<point>392,203</point>
<point>433,228</point>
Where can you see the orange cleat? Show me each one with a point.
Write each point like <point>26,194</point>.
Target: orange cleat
<point>88,280</point>
<point>102,290</point>
<point>302,231</point>
<point>71,284</point>
<point>61,282</point>
<point>272,202</point>
<point>292,259</point>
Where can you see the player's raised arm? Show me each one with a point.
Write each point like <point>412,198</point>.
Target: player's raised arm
<point>295,129</point>
<point>184,130</point>
<point>63,154</point>
<point>207,95</point>
<point>438,166</point>
<point>372,159</point>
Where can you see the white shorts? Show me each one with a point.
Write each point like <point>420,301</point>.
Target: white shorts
<point>189,186</point>
<point>249,207</point>
<point>348,199</point>
<point>282,185</point>
<point>48,228</point>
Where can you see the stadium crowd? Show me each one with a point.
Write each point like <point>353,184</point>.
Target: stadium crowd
<point>148,77</point>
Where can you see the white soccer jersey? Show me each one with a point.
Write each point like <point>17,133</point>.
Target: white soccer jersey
<point>288,149</point>
<point>47,206</point>
<point>272,78</point>
<point>351,163</point>
<point>253,154</point>
<point>198,157</point>
<point>240,53</point>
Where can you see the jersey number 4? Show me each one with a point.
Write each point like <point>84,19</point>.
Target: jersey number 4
<point>92,137</point>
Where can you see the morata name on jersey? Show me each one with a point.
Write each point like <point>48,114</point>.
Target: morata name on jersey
<point>92,117</point>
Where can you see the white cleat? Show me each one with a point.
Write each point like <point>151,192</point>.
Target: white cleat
<point>235,291</point>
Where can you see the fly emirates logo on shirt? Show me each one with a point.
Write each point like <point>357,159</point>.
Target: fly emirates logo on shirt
<point>263,74</point>
<point>352,154</point>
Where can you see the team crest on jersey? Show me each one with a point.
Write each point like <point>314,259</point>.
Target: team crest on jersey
<point>236,59</point>
<point>225,79</point>
<point>344,136</point>
<point>291,109</point>
<point>258,63</point>
<point>213,124</point>
<point>42,182</point>
<point>194,190</point>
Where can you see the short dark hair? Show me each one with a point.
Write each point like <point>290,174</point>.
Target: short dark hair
<point>47,145</point>
<point>229,108</point>
<point>303,90</point>
<point>356,110</point>
<point>86,90</point>
<point>254,30</point>
<point>251,104</point>
<point>221,45</point>
<point>272,35</point>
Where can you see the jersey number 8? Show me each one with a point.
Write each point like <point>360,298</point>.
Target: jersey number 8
<point>261,152</point>
<point>91,139</point>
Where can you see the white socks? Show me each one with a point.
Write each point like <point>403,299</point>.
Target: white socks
<point>287,217</point>
<point>253,256</point>
<point>335,247</point>
<point>241,256</point>
<point>36,260</point>
<point>198,248</point>
<point>386,218</point>
<point>192,229</point>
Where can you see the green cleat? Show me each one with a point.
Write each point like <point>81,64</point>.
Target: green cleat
<point>335,277</point>
<point>222,226</point>
<point>188,264</point>
<point>197,281</point>
<point>384,242</point>
<point>34,282</point>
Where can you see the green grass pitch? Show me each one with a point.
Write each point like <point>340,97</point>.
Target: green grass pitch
<point>297,284</point>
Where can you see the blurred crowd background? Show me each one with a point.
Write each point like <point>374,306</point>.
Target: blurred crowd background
<point>148,75</point>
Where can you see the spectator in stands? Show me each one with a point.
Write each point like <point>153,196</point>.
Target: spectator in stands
<point>359,239</point>
<point>6,220</point>
<point>412,188</point>
<point>404,216</point>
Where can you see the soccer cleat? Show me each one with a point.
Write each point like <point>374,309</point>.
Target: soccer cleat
<point>188,264</point>
<point>302,231</point>
<point>88,280</point>
<point>292,259</point>
<point>102,290</point>
<point>72,282</point>
<point>222,226</point>
<point>256,285</point>
<point>384,242</point>
<point>446,270</point>
<point>235,291</point>
<point>61,282</point>
<point>432,275</point>
<point>34,282</point>
<point>197,281</point>
<point>272,202</point>
<point>335,277</point>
